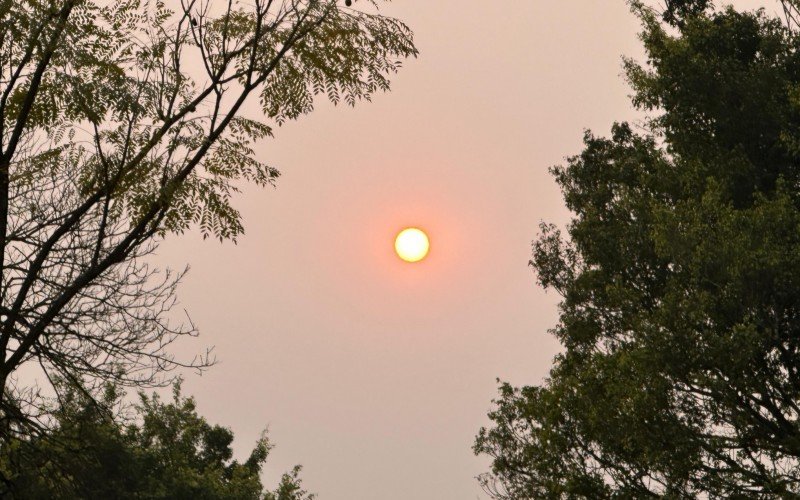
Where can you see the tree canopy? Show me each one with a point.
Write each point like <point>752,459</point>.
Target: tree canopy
<point>123,122</point>
<point>159,450</point>
<point>680,278</point>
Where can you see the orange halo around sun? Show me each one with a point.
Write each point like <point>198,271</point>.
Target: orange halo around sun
<point>412,244</point>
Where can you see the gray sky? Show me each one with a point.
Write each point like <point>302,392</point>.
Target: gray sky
<point>373,373</point>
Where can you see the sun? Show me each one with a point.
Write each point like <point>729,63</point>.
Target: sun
<point>412,244</point>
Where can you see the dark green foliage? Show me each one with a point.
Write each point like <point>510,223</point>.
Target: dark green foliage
<point>678,10</point>
<point>680,277</point>
<point>164,450</point>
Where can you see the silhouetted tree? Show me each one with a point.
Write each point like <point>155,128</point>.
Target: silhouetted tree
<point>161,450</point>
<point>122,122</point>
<point>680,278</point>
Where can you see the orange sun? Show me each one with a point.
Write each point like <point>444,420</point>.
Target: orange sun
<point>412,244</point>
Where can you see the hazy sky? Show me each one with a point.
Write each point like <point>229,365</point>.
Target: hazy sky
<point>373,373</point>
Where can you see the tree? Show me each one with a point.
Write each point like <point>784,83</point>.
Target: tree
<point>123,122</point>
<point>163,450</point>
<point>679,272</point>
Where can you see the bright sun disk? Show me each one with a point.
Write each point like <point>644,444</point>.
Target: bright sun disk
<point>412,244</point>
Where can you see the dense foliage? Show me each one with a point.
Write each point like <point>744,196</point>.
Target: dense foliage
<point>680,278</point>
<point>160,450</point>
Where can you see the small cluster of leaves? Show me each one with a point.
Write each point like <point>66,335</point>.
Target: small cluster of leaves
<point>348,57</point>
